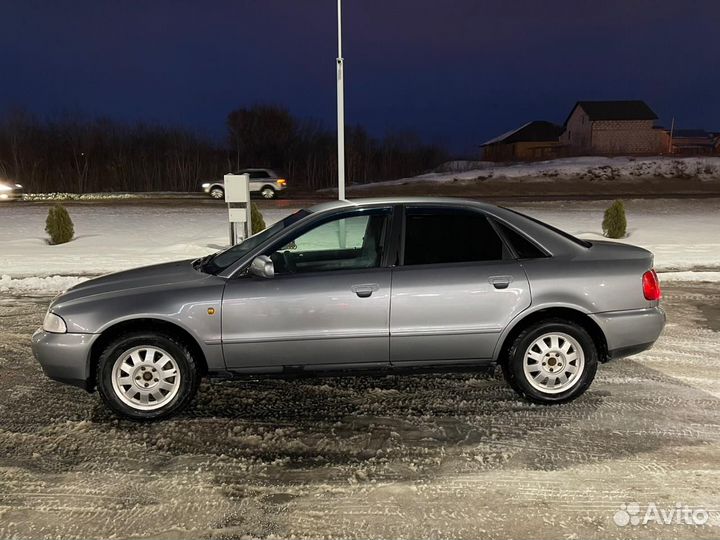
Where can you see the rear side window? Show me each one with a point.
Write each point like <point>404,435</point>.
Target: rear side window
<point>523,247</point>
<point>441,236</point>
<point>258,174</point>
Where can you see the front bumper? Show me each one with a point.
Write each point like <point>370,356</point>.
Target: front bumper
<point>632,331</point>
<point>64,357</point>
<point>13,195</point>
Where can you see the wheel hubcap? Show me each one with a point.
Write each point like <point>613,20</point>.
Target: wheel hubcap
<point>268,193</point>
<point>553,363</point>
<point>217,194</point>
<point>145,378</point>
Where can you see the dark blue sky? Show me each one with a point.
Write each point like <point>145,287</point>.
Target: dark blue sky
<point>455,71</point>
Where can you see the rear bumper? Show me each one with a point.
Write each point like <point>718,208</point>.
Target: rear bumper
<point>632,331</point>
<point>64,357</point>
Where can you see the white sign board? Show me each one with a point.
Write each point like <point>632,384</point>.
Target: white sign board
<point>237,188</point>
<point>237,197</point>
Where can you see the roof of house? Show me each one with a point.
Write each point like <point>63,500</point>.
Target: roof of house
<point>535,131</point>
<point>615,110</point>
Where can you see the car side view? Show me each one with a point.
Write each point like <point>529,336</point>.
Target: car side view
<point>365,286</point>
<point>264,182</point>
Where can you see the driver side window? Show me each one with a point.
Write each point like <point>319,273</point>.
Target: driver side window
<point>348,243</point>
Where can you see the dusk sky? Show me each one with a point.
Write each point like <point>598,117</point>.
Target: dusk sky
<point>457,72</point>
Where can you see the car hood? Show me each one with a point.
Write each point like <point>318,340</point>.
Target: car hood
<point>158,275</point>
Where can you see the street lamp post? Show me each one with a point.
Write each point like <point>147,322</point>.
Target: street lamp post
<point>340,109</point>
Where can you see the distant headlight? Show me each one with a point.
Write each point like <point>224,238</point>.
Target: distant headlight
<point>54,324</point>
<point>206,185</point>
<point>19,186</point>
<point>5,187</point>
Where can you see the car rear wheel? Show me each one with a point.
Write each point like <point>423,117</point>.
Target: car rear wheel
<point>146,376</point>
<point>217,193</point>
<point>551,361</point>
<point>267,192</point>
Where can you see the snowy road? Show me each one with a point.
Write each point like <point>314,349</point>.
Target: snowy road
<point>424,456</point>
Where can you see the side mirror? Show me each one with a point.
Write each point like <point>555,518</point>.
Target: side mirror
<point>262,266</point>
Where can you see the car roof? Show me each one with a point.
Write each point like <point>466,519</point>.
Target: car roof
<point>553,242</point>
<point>376,201</point>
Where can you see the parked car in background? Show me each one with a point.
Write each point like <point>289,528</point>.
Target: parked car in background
<point>265,182</point>
<point>10,190</point>
<point>364,286</point>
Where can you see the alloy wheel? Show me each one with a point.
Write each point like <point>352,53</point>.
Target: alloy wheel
<point>554,363</point>
<point>146,378</point>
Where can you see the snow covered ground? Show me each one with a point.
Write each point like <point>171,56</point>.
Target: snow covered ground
<point>594,168</point>
<point>683,234</point>
<point>433,456</point>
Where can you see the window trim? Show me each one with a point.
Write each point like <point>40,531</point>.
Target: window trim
<point>497,223</point>
<point>451,208</point>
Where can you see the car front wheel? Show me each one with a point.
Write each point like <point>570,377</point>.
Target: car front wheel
<point>217,193</point>
<point>551,361</point>
<point>146,376</point>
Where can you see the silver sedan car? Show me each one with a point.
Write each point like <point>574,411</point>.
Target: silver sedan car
<point>365,286</point>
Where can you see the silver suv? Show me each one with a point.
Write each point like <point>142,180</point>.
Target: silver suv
<point>266,182</point>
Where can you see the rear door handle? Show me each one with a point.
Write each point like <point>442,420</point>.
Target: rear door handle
<point>500,282</point>
<point>365,290</point>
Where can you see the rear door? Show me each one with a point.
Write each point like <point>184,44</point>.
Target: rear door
<point>258,179</point>
<point>456,289</point>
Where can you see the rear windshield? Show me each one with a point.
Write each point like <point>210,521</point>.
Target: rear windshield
<point>578,241</point>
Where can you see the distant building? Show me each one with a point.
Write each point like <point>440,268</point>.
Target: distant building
<point>612,128</point>
<point>694,142</point>
<point>535,140</point>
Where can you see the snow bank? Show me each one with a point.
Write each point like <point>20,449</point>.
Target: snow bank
<point>79,196</point>
<point>48,284</point>
<point>593,168</point>
<point>711,277</point>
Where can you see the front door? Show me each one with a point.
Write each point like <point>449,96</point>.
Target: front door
<point>328,304</point>
<point>455,291</point>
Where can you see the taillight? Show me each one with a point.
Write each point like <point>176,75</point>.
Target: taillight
<point>281,181</point>
<point>651,286</point>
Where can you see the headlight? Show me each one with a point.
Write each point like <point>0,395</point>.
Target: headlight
<point>5,187</point>
<point>18,186</point>
<point>54,324</point>
<point>207,185</point>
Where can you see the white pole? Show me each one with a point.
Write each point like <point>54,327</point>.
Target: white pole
<point>672,129</point>
<point>340,110</point>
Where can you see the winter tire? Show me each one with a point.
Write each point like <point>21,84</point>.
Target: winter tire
<point>147,376</point>
<point>551,361</point>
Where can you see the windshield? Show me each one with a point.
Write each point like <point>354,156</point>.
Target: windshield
<point>223,259</point>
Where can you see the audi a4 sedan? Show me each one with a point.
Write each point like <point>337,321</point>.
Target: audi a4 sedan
<point>366,286</point>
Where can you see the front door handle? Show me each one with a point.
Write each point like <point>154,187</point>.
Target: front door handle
<point>500,282</point>
<point>365,290</point>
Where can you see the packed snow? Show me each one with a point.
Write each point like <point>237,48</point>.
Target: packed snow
<point>683,234</point>
<point>454,455</point>
<point>594,168</point>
